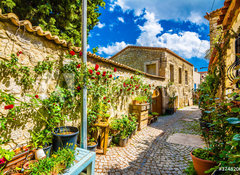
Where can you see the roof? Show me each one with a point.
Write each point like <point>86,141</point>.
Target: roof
<point>228,12</point>
<point>204,72</point>
<point>47,34</point>
<point>213,14</point>
<point>152,48</point>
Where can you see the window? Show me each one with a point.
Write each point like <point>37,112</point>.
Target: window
<point>195,86</point>
<point>186,77</point>
<point>180,75</point>
<point>171,73</point>
<point>151,69</point>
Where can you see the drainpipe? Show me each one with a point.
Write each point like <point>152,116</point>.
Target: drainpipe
<point>83,136</point>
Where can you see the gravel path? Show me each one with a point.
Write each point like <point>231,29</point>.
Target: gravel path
<point>148,152</point>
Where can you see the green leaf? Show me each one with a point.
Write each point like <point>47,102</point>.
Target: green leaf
<point>233,121</point>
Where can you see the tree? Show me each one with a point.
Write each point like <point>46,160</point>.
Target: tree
<point>60,17</point>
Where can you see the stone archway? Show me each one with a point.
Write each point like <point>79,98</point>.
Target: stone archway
<point>157,101</point>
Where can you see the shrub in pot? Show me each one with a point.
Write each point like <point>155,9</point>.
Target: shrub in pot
<point>43,139</point>
<point>92,144</point>
<point>203,160</point>
<point>65,136</point>
<point>140,100</point>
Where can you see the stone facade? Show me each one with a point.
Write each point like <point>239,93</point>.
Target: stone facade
<point>165,62</point>
<point>36,48</point>
<point>196,79</point>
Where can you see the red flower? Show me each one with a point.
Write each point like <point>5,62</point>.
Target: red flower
<point>149,85</point>
<point>120,90</point>
<point>90,71</point>
<point>132,92</point>
<point>128,89</point>
<point>79,88</point>
<point>14,119</point>
<point>124,84</point>
<point>108,101</point>
<point>80,53</point>
<point>19,52</point>
<point>72,53</point>
<point>96,67</point>
<point>110,76</point>
<point>93,78</point>
<point>9,106</point>
<point>131,77</point>
<point>2,161</point>
<point>145,89</point>
<point>36,96</point>
<point>98,73</point>
<point>79,65</point>
<point>104,98</point>
<point>104,74</point>
<point>115,69</point>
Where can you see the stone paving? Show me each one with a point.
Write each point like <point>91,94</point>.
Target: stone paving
<point>148,152</point>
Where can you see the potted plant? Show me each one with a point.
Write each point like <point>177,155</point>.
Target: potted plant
<point>203,160</point>
<point>65,136</point>
<point>43,140</point>
<point>92,144</point>
<point>5,156</point>
<point>123,139</point>
<point>140,100</point>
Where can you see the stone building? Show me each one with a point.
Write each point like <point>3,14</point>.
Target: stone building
<point>165,63</point>
<point>196,79</point>
<point>222,21</point>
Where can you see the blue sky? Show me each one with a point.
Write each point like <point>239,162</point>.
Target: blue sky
<point>178,25</point>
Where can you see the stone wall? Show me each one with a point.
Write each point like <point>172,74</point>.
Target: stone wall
<point>36,48</point>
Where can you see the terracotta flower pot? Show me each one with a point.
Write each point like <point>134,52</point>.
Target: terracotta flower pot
<point>201,165</point>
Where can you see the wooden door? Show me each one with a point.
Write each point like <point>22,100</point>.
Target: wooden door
<point>157,101</point>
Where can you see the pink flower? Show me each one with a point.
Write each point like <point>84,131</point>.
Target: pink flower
<point>96,67</point>
<point>2,160</point>
<point>72,53</point>
<point>36,96</point>
<point>90,71</point>
<point>9,106</point>
<point>115,69</point>
<point>79,65</point>
<point>80,53</point>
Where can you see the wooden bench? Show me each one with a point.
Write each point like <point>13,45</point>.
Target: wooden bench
<point>84,159</point>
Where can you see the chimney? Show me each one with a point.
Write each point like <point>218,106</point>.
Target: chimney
<point>196,70</point>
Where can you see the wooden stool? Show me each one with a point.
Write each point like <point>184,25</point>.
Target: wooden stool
<point>104,136</point>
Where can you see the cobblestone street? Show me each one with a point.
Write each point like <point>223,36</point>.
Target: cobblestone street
<point>148,152</point>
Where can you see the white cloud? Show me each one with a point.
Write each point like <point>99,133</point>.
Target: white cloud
<point>112,49</point>
<point>100,25</point>
<point>149,30</point>
<point>197,18</point>
<point>168,9</point>
<point>186,44</point>
<point>121,19</point>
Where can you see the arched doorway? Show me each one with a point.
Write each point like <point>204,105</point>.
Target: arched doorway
<point>157,101</point>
